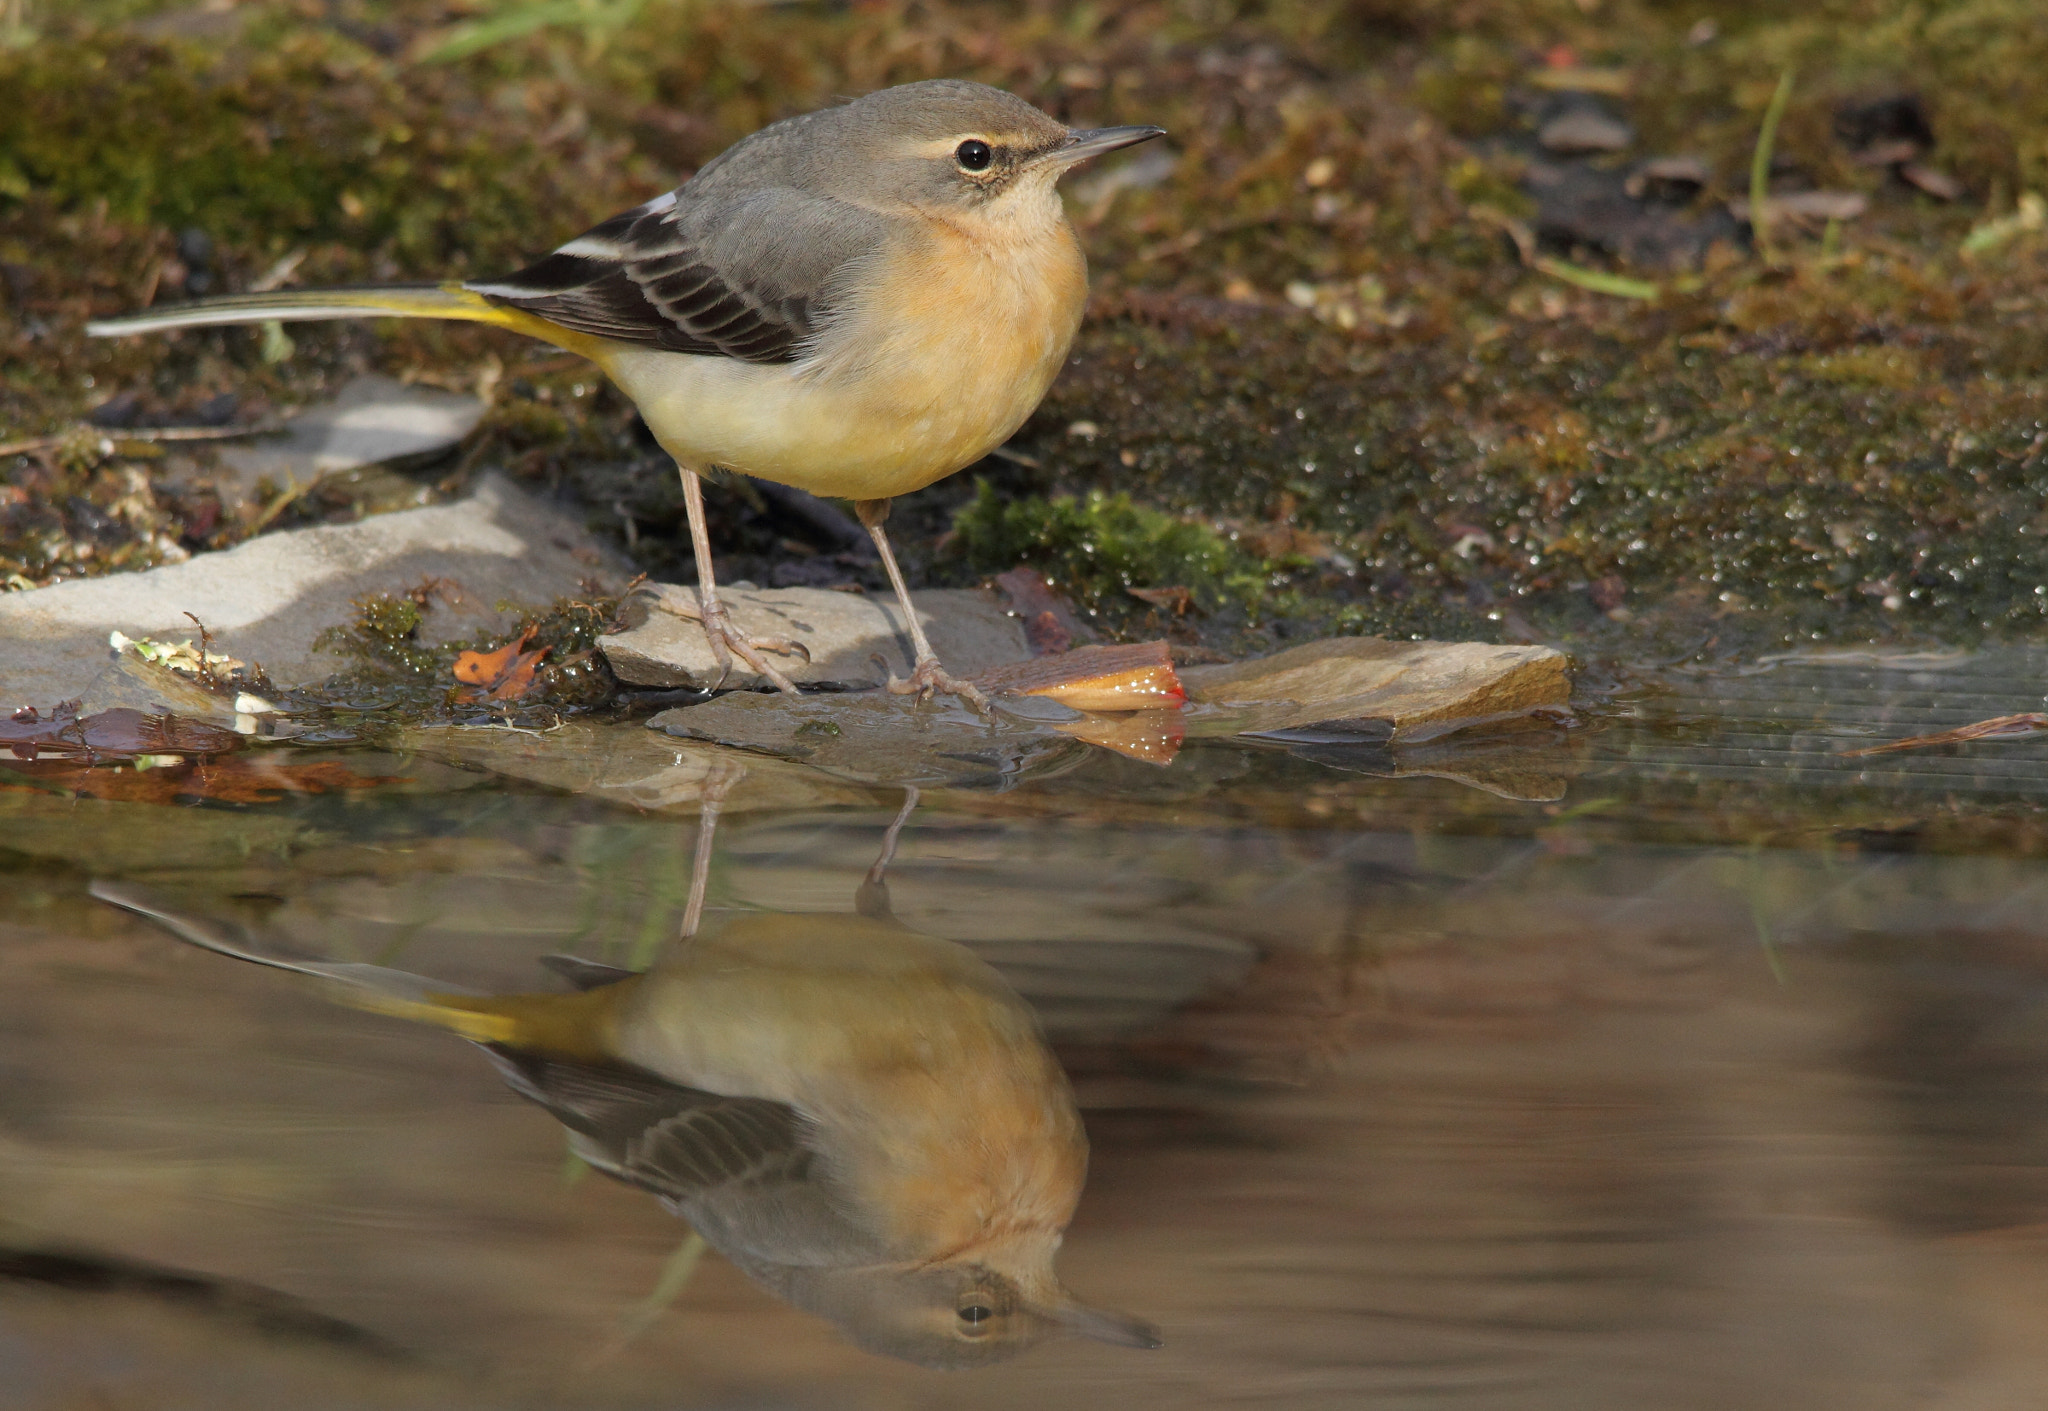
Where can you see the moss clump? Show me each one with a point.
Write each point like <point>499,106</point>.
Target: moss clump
<point>1097,547</point>
<point>399,676</point>
<point>384,636</point>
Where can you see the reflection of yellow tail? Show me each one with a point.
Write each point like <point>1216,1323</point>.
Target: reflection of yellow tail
<point>450,301</point>
<point>574,1026</point>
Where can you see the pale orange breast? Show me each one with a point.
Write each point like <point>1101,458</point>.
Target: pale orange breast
<point>946,352</point>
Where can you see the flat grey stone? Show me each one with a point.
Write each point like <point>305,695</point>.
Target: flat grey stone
<point>845,633</point>
<point>267,601</point>
<point>1346,689</point>
<point>372,419</point>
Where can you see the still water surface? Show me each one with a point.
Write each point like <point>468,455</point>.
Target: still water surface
<point>1673,1061</point>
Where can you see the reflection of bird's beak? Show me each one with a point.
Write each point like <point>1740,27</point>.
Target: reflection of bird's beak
<point>1100,1325</point>
<point>1094,141</point>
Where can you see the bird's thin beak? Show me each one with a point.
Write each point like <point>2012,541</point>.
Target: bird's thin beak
<point>1087,142</point>
<point>1101,1325</point>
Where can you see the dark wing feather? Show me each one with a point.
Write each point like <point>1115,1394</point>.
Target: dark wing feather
<point>742,1170</point>
<point>748,276</point>
<point>677,1142</point>
<point>586,974</point>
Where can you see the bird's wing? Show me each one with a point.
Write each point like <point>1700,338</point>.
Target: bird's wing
<point>742,1170</point>
<point>749,276</point>
<point>675,1141</point>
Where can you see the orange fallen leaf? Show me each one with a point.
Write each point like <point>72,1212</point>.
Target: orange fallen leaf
<point>1999,727</point>
<point>502,675</point>
<point>1133,676</point>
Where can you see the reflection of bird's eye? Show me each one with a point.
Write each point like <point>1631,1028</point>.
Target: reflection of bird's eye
<point>975,1314</point>
<point>973,154</point>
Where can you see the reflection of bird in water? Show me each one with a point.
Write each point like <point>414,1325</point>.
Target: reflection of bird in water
<point>865,1120</point>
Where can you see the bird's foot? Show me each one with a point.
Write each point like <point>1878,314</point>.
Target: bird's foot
<point>728,641</point>
<point>928,678</point>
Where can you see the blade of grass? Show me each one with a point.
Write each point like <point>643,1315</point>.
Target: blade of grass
<point>1760,169</point>
<point>1598,281</point>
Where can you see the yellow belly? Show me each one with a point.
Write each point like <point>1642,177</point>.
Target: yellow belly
<point>952,348</point>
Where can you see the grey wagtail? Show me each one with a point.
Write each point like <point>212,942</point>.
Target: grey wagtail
<point>864,1120</point>
<point>856,302</point>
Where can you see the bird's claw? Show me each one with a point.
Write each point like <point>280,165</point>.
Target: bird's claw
<point>928,678</point>
<point>728,641</point>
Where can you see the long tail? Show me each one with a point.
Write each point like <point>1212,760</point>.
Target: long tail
<point>569,1025</point>
<point>449,301</point>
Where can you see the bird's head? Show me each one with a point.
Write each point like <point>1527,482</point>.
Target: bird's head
<point>956,1314</point>
<point>949,146</point>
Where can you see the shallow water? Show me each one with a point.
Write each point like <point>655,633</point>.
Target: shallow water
<point>1669,1061</point>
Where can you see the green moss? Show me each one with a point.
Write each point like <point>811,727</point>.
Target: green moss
<point>1097,547</point>
<point>384,637</point>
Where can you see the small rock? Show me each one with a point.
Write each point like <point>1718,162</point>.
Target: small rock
<point>1577,204</point>
<point>1938,184</point>
<point>1672,180</point>
<point>844,632</point>
<point>372,419</point>
<point>267,601</point>
<point>1807,205</point>
<point>1580,130</point>
<point>1367,688</point>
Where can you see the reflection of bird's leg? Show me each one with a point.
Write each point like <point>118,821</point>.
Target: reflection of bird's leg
<point>926,675</point>
<point>872,900</point>
<point>727,641</point>
<point>725,773</point>
<point>674,1278</point>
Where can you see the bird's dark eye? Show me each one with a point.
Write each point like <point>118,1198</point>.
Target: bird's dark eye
<point>976,1313</point>
<point>973,154</point>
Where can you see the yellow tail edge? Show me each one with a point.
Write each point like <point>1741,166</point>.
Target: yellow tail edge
<point>445,301</point>
<point>575,1026</point>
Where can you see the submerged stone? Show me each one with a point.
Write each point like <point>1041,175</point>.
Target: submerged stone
<point>855,641</point>
<point>630,765</point>
<point>882,738</point>
<point>1347,689</point>
<point>268,602</point>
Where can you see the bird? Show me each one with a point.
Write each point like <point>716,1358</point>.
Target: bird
<point>863,1119</point>
<point>857,301</point>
